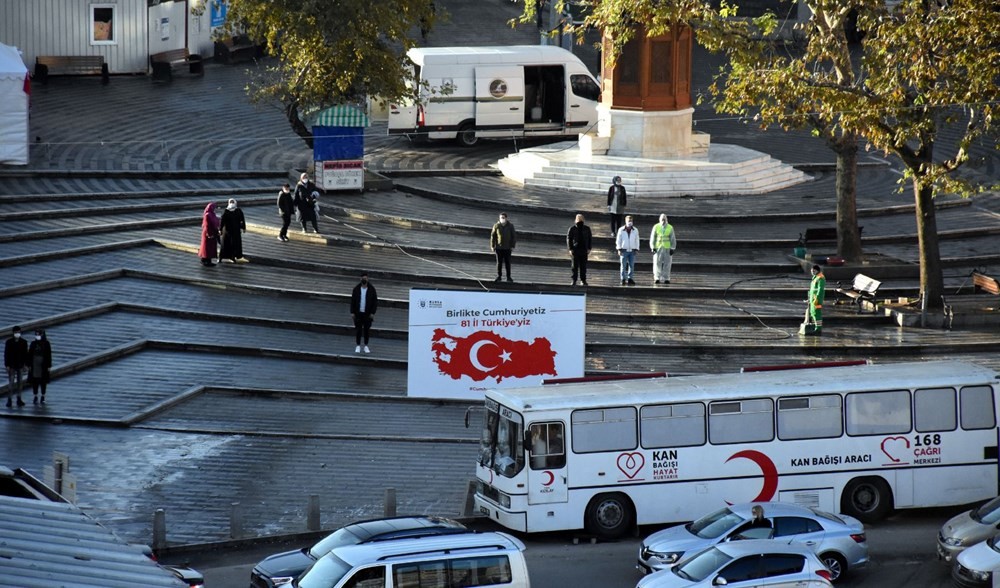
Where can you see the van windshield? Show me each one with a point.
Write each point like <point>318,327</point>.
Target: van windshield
<point>501,447</point>
<point>326,572</point>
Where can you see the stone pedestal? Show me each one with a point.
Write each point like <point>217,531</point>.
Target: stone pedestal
<point>658,134</point>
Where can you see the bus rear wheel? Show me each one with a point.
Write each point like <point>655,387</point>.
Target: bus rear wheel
<point>867,499</point>
<point>609,515</point>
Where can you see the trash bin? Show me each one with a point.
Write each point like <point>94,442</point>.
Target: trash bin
<point>195,65</point>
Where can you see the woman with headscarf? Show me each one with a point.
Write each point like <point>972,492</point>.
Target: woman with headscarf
<point>39,364</point>
<point>209,235</point>
<point>233,226</point>
<point>617,200</point>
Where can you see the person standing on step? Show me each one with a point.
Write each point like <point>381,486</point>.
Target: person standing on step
<point>663,242</point>
<point>233,225</point>
<point>617,199</point>
<point>209,235</point>
<point>579,240</point>
<point>503,239</point>
<point>306,194</point>
<point>817,293</point>
<point>286,208</point>
<point>39,364</point>
<point>364,303</point>
<point>627,244</point>
<point>15,359</point>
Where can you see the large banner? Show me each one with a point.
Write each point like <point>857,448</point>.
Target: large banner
<point>462,343</point>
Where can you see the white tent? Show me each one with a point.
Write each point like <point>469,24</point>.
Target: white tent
<point>13,107</point>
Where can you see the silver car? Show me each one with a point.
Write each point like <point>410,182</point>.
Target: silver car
<point>839,540</point>
<point>970,527</point>
<point>755,563</point>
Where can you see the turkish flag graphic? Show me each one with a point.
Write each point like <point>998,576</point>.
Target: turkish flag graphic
<point>484,354</point>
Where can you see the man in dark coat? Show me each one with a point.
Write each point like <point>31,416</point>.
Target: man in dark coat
<point>364,303</point>
<point>617,200</point>
<point>15,359</point>
<point>503,239</point>
<point>286,208</point>
<point>233,224</point>
<point>306,194</point>
<point>579,241</point>
<point>39,364</point>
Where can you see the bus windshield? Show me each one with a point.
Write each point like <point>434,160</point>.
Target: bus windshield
<point>501,447</point>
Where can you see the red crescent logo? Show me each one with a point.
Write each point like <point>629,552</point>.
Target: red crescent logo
<point>766,467</point>
<point>551,476</point>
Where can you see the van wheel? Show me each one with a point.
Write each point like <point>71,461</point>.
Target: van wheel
<point>467,135</point>
<point>609,515</point>
<point>867,499</point>
<point>835,564</point>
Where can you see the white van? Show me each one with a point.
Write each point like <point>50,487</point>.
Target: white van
<point>435,561</point>
<point>473,92</point>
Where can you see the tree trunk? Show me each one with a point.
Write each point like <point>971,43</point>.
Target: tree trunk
<point>300,128</point>
<point>931,278</point>
<point>848,235</point>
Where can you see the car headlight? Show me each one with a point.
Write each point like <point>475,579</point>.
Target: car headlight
<point>667,557</point>
<point>953,541</point>
<point>980,576</point>
<point>282,580</point>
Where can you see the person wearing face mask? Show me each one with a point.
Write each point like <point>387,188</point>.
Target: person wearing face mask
<point>364,303</point>
<point>663,242</point>
<point>627,244</point>
<point>617,199</point>
<point>286,207</point>
<point>503,238</point>
<point>15,359</point>
<point>305,202</point>
<point>39,364</point>
<point>579,240</point>
<point>233,225</point>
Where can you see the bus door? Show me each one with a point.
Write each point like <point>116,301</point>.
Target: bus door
<point>547,476</point>
<point>499,100</point>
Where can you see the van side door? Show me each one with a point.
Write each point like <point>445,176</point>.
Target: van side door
<point>500,101</point>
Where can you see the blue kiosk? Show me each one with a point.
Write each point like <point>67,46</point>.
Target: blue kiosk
<point>339,147</point>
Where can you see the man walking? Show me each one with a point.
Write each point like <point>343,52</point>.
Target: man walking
<point>286,208</point>
<point>617,199</point>
<point>627,243</point>
<point>662,241</point>
<point>364,303</point>
<point>579,242</point>
<point>814,312</point>
<point>305,201</point>
<point>15,359</point>
<point>503,238</point>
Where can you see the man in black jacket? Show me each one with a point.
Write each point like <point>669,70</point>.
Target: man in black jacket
<point>579,241</point>
<point>286,208</point>
<point>15,359</point>
<point>364,303</point>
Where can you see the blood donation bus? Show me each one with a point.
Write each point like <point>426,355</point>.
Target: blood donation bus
<point>862,440</point>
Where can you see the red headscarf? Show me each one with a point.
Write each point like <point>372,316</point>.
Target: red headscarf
<point>210,222</point>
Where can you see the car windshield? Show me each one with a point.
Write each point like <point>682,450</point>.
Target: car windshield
<point>501,447</point>
<point>989,513</point>
<point>700,565</point>
<point>715,524</point>
<point>828,516</point>
<point>326,572</point>
<point>338,538</point>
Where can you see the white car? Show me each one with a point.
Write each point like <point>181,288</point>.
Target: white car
<point>976,566</point>
<point>754,563</point>
<point>839,540</point>
<point>970,527</point>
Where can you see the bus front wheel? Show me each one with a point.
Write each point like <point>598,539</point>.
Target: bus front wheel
<point>867,499</point>
<point>609,515</point>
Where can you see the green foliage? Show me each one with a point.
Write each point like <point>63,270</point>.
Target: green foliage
<point>332,51</point>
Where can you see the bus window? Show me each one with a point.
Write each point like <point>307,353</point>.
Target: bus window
<point>744,421</point>
<point>878,413</point>
<point>934,410</point>
<point>547,446</point>
<point>672,425</point>
<point>813,417</point>
<point>604,429</point>
<point>501,445</point>
<point>977,407</point>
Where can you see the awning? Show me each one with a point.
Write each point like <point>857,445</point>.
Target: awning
<point>341,115</point>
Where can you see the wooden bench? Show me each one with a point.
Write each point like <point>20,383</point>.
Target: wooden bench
<point>46,65</point>
<point>236,49</point>
<point>863,288</point>
<point>818,234</point>
<point>163,64</point>
<point>983,283</point>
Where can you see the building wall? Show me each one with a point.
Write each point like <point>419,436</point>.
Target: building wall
<point>64,27</point>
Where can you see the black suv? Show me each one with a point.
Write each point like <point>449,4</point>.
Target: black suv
<point>280,569</point>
